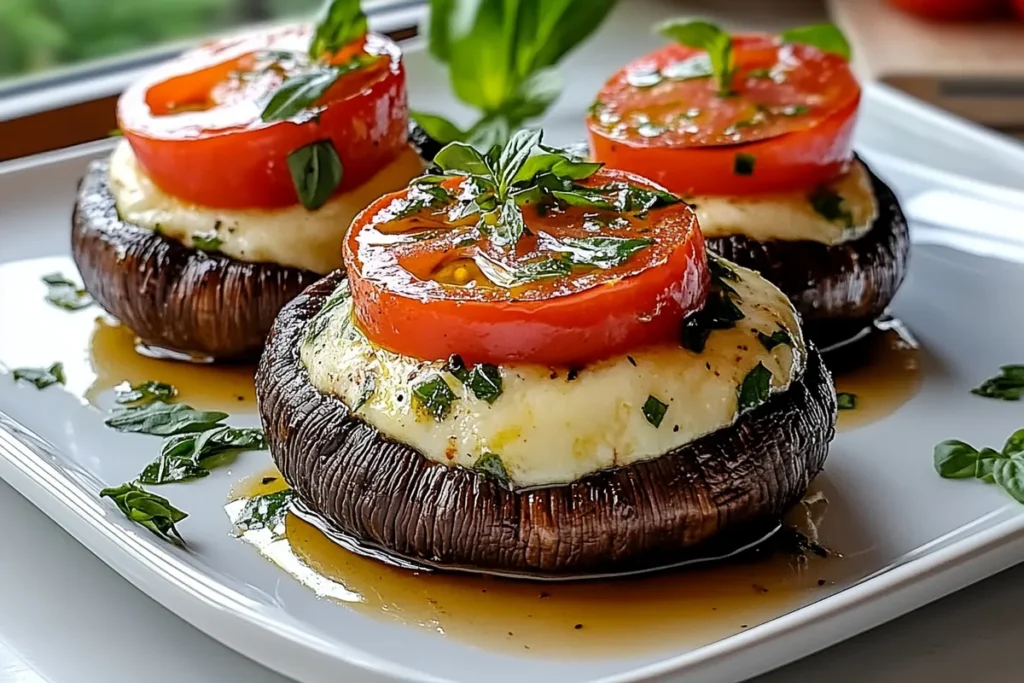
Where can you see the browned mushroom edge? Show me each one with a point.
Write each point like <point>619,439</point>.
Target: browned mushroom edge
<point>201,304</point>
<point>385,494</point>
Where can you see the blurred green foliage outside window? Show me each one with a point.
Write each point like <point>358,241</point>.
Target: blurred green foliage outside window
<point>36,35</point>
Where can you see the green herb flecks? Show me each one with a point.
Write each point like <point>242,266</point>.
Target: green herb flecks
<point>1008,385</point>
<point>41,377</point>
<point>846,401</point>
<point>145,392</point>
<point>319,322</point>
<point>148,510</point>
<point>163,419</point>
<point>435,396</point>
<point>958,460</point>
<point>654,410</point>
<point>829,204</point>
<point>340,23</point>
<point>484,380</point>
<point>776,338</point>
<point>268,511</point>
<point>756,388</point>
<point>191,456</point>
<point>826,37</point>
<point>743,164</point>
<point>316,173</point>
<point>491,465</point>
<point>720,311</point>
<point>502,58</point>
<point>206,241</point>
<point>65,293</point>
<point>706,36</point>
<point>422,195</point>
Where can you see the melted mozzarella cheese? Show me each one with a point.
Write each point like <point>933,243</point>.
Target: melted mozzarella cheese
<point>547,426</point>
<point>289,236</point>
<point>792,216</point>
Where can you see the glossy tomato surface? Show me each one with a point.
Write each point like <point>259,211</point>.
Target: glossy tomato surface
<point>429,286</point>
<point>787,124</point>
<point>195,123</point>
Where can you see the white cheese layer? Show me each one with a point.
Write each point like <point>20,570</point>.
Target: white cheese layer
<point>290,236</point>
<point>794,216</point>
<point>550,429</point>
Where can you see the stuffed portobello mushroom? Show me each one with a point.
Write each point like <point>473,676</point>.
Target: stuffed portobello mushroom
<point>533,367</point>
<point>756,132</point>
<point>242,164</point>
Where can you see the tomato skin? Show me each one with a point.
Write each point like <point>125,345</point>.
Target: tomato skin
<point>397,312</point>
<point>227,157</point>
<point>791,153</point>
<point>951,10</point>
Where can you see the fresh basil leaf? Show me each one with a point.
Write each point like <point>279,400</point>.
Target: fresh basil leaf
<point>514,155</point>
<point>148,510</point>
<point>1008,385</point>
<point>743,164</point>
<point>490,132</point>
<point>146,392</point>
<point>421,196</point>
<point>459,157</point>
<point>299,93</point>
<point>956,460</point>
<point>319,322</point>
<point>698,66</point>
<point>1009,475</point>
<point>191,456</point>
<point>41,377</point>
<point>484,381</point>
<point>588,199</point>
<point>846,401</point>
<point>654,410</point>
<point>491,465</point>
<point>720,312</point>
<point>439,129</point>
<point>755,389</point>
<point>572,169</point>
<point>435,396</point>
<point>826,37</point>
<point>506,277</point>
<point>510,226</point>
<point>171,470</point>
<point>602,252</point>
<point>987,459</point>
<point>534,96</point>
<point>779,336</point>
<point>829,203</point>
<point>316,173</point>
<point>1014,444</point>
<point>206,241</point>
<point>65,293</point>
<point>706,36</point>
<point>340,23</point>
<point>163,419</point>
<point>269,511</point>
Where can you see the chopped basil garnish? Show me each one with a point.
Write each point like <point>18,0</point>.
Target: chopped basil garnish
<point>316,173</point>
<point>341,22</point>
<point>65,293</point>
<point>145,392</point>
<point>779,336</point>
<point>720,311</point>
<point>602,252</point>
<point>422,195</point>
<point>825,37</point>
<point>302,91</point>
<point>484,380</point>
<point>755,388</point>
<point>743,164</point>
<point>706,36</point>
<point>41,377</point>
<point>191,456</point>
<point>829,204</point>
<point>492,466</point>
<point>316,326</point>
<point>846,401</point>
<point>163,419</point>
<point>959,460</point>
<point>435,396</point>
<point>654,410</point>
<point>1008,385</point>
<point>206,241</point>
<point>268,511</point>
<point>148,510</point>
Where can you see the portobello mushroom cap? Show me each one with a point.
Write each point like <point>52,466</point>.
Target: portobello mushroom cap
<point>839,290</point>
<point>385,494</point>
<point>202,304</point>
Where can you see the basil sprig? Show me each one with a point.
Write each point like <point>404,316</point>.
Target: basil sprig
<point>65,293</point>
<point>316,173</point>
<point>825,37</point>
<point>191,456</point>
<point>1008,385</point>
<point>41,377</point>
<point>958,460</point>
<point>340,23</point>
<point>163,419</point>
<point>148,510</point>
<point>703,35</point>
<point>502,60</point>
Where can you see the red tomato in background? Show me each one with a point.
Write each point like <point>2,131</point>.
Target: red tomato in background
<point>953,10</point>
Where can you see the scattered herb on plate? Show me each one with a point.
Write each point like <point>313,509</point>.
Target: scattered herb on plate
<point>41,377</point>
<point>163,419</point>
<point>1008,385</point>
<point>145,392</point>
<point>846,401</point>
<point>268,511</point>
<point>493,466</point>
<point>958,460</point>
<point>148,510</point>
<point>65,293</point>
<point>184,457</point>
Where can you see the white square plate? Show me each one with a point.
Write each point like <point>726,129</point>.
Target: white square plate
<point>908,536</point>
